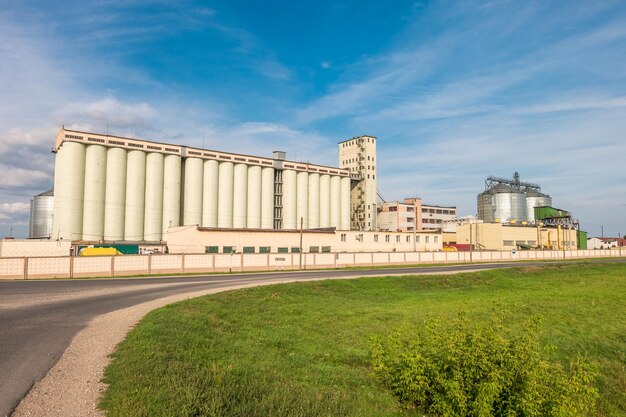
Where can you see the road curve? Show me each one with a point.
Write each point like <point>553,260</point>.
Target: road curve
<point>39,319</point>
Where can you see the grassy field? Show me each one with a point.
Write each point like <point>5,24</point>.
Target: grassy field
<point>301,349</point>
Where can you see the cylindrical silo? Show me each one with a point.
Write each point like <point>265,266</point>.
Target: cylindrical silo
<point>503,203</point>
<point>135,195</point>
<point>290,187</point>
<point>314,201</point>
<point>225,195</point>
<point>209,193</point>
<point>302,203</point>
<point>324,200</point>
<point>534,199</point>
<point>115,195</point>
<point>240,196</point>
<point>172,170</point>
<point>254,197</point>
<point>335,202</point>
<point>69,192</point>
<point>345,203</point>
<point>41,212</point>
<point>95,188</point>
<point>267,198</point>
<point>153,215</point>
<point>192,205</point>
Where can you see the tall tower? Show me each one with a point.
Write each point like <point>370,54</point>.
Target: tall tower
<point>358,155</point>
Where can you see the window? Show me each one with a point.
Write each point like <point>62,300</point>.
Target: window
<point>264,249</point>
<point>507,243</point>
<point>427,239</point>
<point>325,249</point>
<point>343,237</point>
<point>359,237</point>
<point>387,238</point>
<point>248,249</point>
<point>520,242</point>
<point>436,239</point>
<point>417,239</point>
<point>283,250</point>
<point>375,238</point>
<point>295,249</point>
<point>314,249</point>
<point>228,249</point>
<point>211,249</point>
<point>408,239</point>
<point>397,238</point>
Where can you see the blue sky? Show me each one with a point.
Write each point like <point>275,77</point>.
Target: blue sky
<point>455,90</point>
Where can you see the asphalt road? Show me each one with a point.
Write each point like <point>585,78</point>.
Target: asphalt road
<point>39,319</point>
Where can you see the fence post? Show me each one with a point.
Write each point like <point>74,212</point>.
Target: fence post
<point>112,266</point>
<point>71,267</point>
<point>25,267</point>
<point>182,265</point>
<point>150,264</point>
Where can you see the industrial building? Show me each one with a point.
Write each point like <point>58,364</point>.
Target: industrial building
<point>110,188</point>
<point>510,201</point>
<point>194,239</point>
<point>410,214</point>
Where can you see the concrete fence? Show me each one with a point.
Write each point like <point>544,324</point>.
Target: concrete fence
<point>127,265</point>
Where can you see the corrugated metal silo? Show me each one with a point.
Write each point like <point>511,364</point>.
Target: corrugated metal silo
<point>41,210</point>
<point>534,199</point>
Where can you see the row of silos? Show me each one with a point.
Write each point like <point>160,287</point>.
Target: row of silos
<point>505,203</point>
<point>118,194</point>
<point>114,194</point>
<point>312,200</point>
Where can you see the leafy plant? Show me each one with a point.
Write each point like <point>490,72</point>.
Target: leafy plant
<point>460,368</point>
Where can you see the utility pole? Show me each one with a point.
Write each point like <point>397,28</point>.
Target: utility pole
<point>619,243</point>
<point>301,227</point>
<point>470,248</point>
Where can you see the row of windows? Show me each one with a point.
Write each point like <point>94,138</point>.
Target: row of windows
<point>398,238</point>
<point>355,141</point>
<point>438,211</point>
<point>264,249</point>
<point>433,221</point>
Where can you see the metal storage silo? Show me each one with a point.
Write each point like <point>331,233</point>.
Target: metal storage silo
<point>41,209</point>
<point>503,203</point>
<point>534,199</point>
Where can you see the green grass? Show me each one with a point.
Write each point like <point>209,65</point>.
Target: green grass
<point>301,349</point>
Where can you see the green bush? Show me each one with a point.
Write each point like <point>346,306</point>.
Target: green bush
<point>460,368</point>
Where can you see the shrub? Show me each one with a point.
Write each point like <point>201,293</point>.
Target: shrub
<point>481,369</point>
